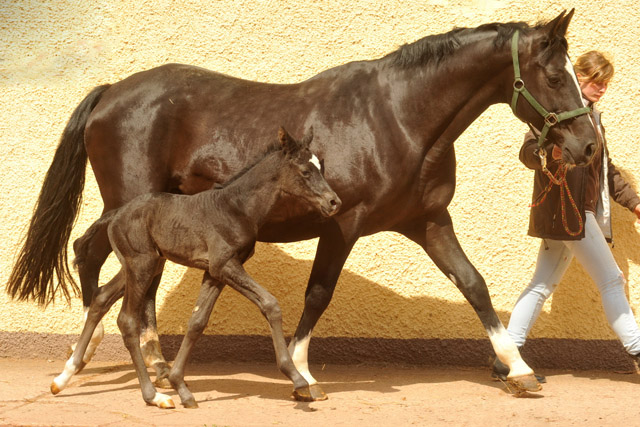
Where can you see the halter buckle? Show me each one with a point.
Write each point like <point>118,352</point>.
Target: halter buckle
<point>551,119</point>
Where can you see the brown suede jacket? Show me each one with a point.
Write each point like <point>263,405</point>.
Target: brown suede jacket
<point>545,220</point>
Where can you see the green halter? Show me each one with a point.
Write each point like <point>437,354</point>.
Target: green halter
<point>550,119</point>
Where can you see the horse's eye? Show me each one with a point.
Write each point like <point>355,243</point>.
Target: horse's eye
<point>554,80</point>
<point>305,173</point>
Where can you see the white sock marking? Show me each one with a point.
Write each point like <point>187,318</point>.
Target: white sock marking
<point>508,353</point>
<point>299,355</point>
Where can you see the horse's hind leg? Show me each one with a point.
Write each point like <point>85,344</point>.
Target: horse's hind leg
<point>209,292</point>
<point>149,340</point>
<point>91,251</point>
<point>439,241</point>
<point>102,302</point>
<point>235,276</point>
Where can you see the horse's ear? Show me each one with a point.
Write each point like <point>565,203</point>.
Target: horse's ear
<point>308,137</point>
<point>558,27</point>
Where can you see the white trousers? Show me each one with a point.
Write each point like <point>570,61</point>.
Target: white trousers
<point>593,253</point>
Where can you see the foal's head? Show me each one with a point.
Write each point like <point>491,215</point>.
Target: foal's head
<point>302,174</point>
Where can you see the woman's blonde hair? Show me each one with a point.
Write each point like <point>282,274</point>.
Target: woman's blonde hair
<point>593,66</point>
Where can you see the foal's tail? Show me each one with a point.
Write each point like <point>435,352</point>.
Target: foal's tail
<point>43,256</point>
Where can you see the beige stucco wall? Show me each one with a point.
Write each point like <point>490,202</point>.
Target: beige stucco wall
<point>52,53</point>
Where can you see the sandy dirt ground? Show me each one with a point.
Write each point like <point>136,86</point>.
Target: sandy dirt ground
<point>107,394</point>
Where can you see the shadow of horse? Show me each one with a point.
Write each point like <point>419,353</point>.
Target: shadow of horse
<point>371,323</point>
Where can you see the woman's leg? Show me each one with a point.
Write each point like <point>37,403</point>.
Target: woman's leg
<point>553,259</point>
<point>596,258</point>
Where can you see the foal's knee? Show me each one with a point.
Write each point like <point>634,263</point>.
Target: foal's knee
<point>271,309</point>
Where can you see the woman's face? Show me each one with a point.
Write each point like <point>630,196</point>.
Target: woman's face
<point>591,90</point>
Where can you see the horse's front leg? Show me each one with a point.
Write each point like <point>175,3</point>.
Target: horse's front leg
<point>334,247</point>
<point>439,241</point>
<point>149,340</point>
<point>209,292</point>
<point>234,275</point>
<point>102,302</point>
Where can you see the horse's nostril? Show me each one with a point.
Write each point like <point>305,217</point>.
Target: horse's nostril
<point>333,202</point>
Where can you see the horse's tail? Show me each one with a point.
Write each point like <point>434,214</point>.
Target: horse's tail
<point>44,253</point>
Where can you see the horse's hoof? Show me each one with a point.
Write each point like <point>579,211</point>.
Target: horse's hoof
<point>190,404</point>
<point>524,384</point>
<point>317,393</point>
<point>54,389</point>
<point>163,383</point>
<point>309,394</point>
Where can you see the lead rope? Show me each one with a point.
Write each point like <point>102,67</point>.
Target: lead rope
<point>559,179</point>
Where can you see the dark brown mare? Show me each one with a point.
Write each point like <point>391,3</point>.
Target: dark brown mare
<point>215,230</point>
<point>385,128</point>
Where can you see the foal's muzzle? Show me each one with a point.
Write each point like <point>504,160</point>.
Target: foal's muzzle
<point>332,204</point>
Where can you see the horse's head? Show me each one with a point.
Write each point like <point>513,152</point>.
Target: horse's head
<point>303,174</point>
<point>553,91</point>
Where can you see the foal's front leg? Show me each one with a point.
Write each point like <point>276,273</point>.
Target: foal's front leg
<point>235,276</point>
<point>209,292</point>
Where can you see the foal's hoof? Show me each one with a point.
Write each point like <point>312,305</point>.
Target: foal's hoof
<point>309,394</point>
<point>162,401</point>
<point>54,388</point>
<point>190,404</point>
<point>163,383</point>
<point>523,384</point>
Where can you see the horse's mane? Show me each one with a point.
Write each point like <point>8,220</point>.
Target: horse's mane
<point>435,48</point>
<point>271,149</point>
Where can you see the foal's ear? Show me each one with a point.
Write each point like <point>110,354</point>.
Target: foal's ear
<point>308,137</point>
<point>287,143</point>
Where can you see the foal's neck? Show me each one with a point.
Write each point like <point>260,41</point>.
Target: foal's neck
<point>257,190</point>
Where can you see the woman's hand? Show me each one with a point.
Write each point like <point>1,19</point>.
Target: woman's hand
<point>637,212</point>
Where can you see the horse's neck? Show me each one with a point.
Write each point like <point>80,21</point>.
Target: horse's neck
<point>438,102</point>
<point>257,190</point>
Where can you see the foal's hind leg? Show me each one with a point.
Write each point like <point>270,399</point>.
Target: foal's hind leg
<point>442,246</point>
<point>102,302</point>
<point>140,271</point>
<point>235,276</point>
<point>149,341</point>
<point>91,250</point>
<point>209,292</point>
